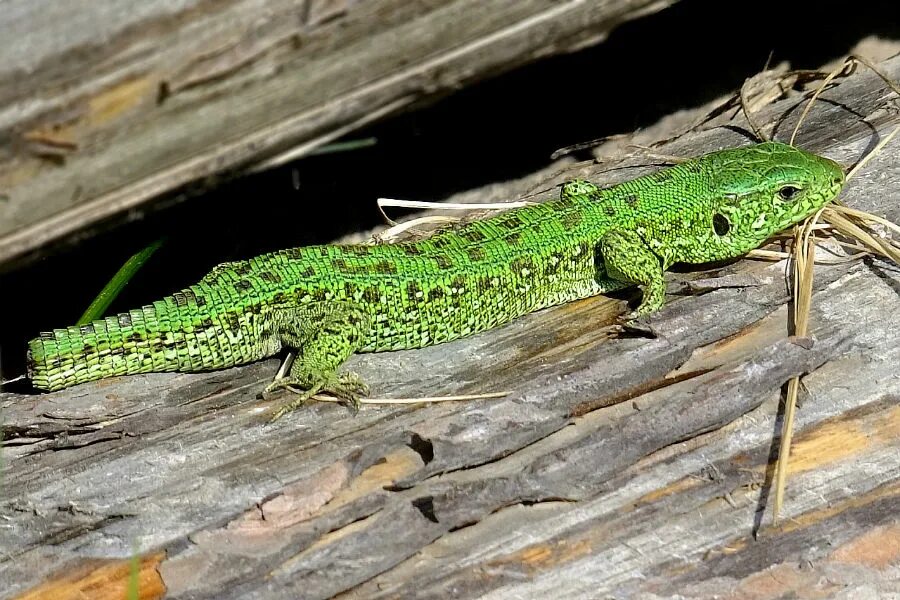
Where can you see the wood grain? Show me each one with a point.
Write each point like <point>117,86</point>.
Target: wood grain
<point>107,106</point>
<point>548,492</point>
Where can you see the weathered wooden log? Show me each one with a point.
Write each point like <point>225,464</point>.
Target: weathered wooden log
<point>106,106</point>
<point>561,488</point>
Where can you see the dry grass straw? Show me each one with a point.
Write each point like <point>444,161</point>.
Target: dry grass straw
<point>849,223</point>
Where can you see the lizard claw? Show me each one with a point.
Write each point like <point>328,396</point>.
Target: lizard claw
<point>351,388</point>
<point>295,385</point>
<point>636,325</point>
<point>347,386</point>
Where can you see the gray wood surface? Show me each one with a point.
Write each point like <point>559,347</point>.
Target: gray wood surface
<point>617,466</point>
<point>106,106</point>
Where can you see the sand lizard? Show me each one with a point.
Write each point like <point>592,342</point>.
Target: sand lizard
<point>327,302</point>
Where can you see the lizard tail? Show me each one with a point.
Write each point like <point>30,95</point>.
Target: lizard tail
<point>152,339</point>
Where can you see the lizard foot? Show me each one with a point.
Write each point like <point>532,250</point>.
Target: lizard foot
<point>346,386</point>
<point>635,324</point>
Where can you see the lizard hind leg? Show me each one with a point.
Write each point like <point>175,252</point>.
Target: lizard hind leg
<point>324,335</point>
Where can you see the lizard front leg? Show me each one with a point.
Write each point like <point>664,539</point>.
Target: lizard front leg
<point>628,258</point>
<point>324,335</point>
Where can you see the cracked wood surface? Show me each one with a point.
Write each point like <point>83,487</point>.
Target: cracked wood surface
<point>105,106</point>
<point>550,491</point>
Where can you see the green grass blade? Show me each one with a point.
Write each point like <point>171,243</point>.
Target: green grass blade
<point>115,286</point>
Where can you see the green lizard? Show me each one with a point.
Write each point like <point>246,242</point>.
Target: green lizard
<point>327,302</point>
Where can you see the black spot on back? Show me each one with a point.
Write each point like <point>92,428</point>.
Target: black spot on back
<point>412,292</point>
<point>270,277</point>
<point>554,263</point>
<point>443,262</point>
<point>475,253</point>
<point>521,264</point>
<point>483,285</point>
<point>662,175</point>
<point>509,221</point>
<point>411,249</point>
<point>473,235</point>
<point>571,219</point>
<point>242,285</point>
<point>233,320</point>
<point>513,239</point>
<point>566,201</point>
<point>443,241</point>
<point>371,294</point>
<point>243,268</point>
<point>632,199</point>
<point>385,267</point>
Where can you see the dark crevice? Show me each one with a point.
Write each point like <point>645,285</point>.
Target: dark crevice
<point>424,448</point>
<point>425,505</point>
<point>464,525</point>
<point>70,533</point>
<point>632,393</point>
<point>549,500</point>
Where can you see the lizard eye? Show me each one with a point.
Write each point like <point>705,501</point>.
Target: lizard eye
<point>721,224</point>
<point>788,192</point>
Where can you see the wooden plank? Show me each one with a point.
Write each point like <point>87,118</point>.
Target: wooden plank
<point>106,106</point>
<point>548,491</point>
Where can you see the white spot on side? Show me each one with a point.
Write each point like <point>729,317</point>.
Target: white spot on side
<point>760,221</point>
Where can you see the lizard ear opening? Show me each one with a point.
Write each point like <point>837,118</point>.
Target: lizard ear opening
<point>721,224</point>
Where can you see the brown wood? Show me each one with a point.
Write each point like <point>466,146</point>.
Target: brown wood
<point>105,580</point>
<point>547,492</point>
<point>105,106</point>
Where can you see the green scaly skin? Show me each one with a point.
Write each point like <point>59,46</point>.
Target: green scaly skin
<point>327,302</point>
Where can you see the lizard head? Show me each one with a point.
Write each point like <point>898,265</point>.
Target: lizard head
<point>763,189</point>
